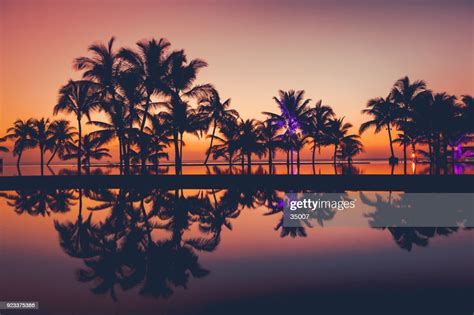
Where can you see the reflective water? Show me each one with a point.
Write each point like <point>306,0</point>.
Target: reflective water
<point>223,252</point>
<point>368,167</point>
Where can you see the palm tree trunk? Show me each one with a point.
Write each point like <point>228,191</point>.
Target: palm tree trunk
<point>270,160</point>
<point>212,139</point>
<point>53,155</point>
<point>147,105</point>
<point>404,158</point>
<point>335,152</point>
<point>42,160</point>
<point>120,155</point>
<point>391,143</point>
<point>181,152</point>
<point>243,162</point>
<point>18,163</point>
<point>79,145</point>
<point>176,152</point>
<point>249,162</point>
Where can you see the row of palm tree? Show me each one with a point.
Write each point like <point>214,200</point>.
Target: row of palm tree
<point>56,137</point>
<point>435,121</point>
<point>146,96</point>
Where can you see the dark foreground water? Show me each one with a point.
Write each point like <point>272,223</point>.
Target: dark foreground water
<point>224,252</point>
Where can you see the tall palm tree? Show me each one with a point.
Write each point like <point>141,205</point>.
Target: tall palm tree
<point>315,127</point>
<point>150,64</point>
<point>62,137</point>
<point>41,136</point>
<point>20,133</point>
<point>294,112</point>
<point>382,110</point>
<point>180,78</point>
<point>79,98</point>
<point>216,113</point>
<point>104,68</point>
<point>338,133</point>
<point>405,94</point>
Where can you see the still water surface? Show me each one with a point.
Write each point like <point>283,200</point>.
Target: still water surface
<point>223,252</point>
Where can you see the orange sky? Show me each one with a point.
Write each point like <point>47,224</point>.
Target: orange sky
<point>343,53</point>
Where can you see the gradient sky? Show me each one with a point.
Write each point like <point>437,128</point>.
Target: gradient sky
<point>343,52</point>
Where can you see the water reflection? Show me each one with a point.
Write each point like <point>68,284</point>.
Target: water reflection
<point>151,240</point>
<point>360,168</point>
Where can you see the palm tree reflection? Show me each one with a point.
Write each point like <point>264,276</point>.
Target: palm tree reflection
<point>397,215</point>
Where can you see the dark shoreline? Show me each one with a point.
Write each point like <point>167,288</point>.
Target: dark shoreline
<point>411,183</point>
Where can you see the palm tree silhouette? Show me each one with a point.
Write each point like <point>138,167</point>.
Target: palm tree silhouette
<point>104,68</point>
<point>214,112</point>
<point>405,94</point>
<point>338,133</point>
<point>20,133</point>
<point>91,148</point>
<point>250,141</point>
<point>179,85</point>
<point>149,63</point>
<point>350,147</point>
<point>41,136</point>
<point>62,137</point>
<point>228,144</point>
<point>316,126</point>
<point>271,140</point>
<point>41,201</point>
<point>294,112</point>
<point>181,118</point>
<point>80,98</point>
<point>383,112</point>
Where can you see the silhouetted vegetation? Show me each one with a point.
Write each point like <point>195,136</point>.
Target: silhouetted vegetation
<point>150,100</point>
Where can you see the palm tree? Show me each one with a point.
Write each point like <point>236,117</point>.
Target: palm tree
<point>294,112</point>
<point>446,123</point>
<point>41,136</point>
<point>179,85</point>
<point>271,140</point>
<point>383,112</point>
<point>250,141</point>
<point>104,68</point>
<point>92,149</point>
<point>20,133</point>
<point>62,137</point>
<point>405,94</point>
<point>181,118</point>
<point>338,133</point>
<point>350,147</point>
<point>150,65</point>
<point>216,113</point>
<point>80,98</point>
<point>227,143</point>
<point>315,127</point>
<point>160,138</point>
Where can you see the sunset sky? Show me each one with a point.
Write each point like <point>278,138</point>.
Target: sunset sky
<point>343,52</point>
